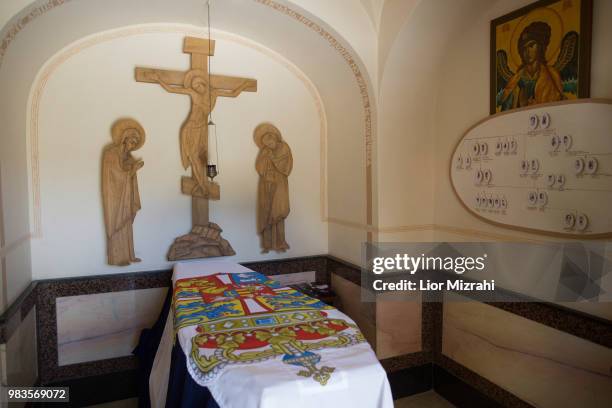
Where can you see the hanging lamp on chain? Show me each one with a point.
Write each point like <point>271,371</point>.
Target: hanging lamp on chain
<point>212,164</point>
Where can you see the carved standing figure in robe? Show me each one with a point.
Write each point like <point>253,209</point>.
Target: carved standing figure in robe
<point>120,196</point>
<point>274,164</point>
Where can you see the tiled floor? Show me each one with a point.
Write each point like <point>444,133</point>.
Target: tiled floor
<point>427,399</point>
<point>127,403</point>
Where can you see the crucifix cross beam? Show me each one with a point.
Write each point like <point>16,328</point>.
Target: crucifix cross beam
<point>203,90</point>
<point>177,78</point>
<point>199,49</point>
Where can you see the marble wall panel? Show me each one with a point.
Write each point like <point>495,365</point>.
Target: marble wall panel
<point>104,325</point>
<point>398,326</point>
<point>18,358</point>
<point>541,365</point>
<point>293,278</point>
<point>349,301</point>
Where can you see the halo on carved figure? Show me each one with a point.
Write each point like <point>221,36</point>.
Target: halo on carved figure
<point>264,129</point>
<point>194,75</point>
<point>121,125</point>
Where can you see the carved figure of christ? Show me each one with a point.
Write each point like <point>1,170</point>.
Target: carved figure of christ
<point>194,131</point>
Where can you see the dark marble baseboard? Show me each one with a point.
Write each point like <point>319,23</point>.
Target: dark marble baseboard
<point>406,361</point>
<point>84,285</point>
<point>292,265</point>
<point>97,389</point>
<point>46,322</point>
<point>465,388</point>
<point>410,381</point>
<point>123,384</point>
<point>104,388</point>
<point>458,392</point>
<point>570,321</point>
<point>49,290</point>
<point>431,327</point>
<point>52,373</point>
<point>344,269</point>
<point>43,295</point>
<point>17,311</point>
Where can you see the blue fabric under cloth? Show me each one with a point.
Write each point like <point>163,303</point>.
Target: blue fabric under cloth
<point>183,391</point>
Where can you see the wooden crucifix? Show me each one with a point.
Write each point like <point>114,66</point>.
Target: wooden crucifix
<point>204,240</point>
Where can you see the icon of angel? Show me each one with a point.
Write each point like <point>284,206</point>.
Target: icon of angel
<point>536,79</point>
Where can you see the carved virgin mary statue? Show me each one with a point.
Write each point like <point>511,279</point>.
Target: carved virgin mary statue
<point>120,196</point>
<point>274,164</point>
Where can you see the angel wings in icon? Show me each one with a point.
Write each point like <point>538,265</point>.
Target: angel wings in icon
<point>535,80</point>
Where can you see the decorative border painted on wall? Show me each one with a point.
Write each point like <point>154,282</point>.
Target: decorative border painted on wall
<point>51,66</point>
<point>346,55</point>
<point>363,89</point>
<point>18,23</point>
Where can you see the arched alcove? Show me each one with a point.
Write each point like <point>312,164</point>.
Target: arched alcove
<point>45,28</point>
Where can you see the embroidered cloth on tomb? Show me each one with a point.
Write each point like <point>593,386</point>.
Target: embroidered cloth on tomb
<point>254,342</point>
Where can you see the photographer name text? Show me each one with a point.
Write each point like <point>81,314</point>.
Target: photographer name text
<point>427,285</point>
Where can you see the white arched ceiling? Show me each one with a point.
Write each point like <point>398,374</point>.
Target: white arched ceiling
<point>374,9</point>
<point>349,18</point>
<point>352,20</point>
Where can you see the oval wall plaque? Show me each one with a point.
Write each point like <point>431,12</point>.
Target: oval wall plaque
<point>544,169</point>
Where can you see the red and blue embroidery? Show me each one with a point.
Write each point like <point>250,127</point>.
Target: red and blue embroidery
<point>246,318</point>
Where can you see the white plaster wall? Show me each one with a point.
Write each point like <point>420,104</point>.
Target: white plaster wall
<point>96,86</point>
<point>345,242</point>
<point>407,117</point>
<point>463,99</point>
<point>14,186</point>
<point>19,262</point>
<point>435,84</point>
<point>14,191</point>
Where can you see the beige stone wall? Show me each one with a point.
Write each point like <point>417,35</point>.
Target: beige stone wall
<point>539,364</point>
